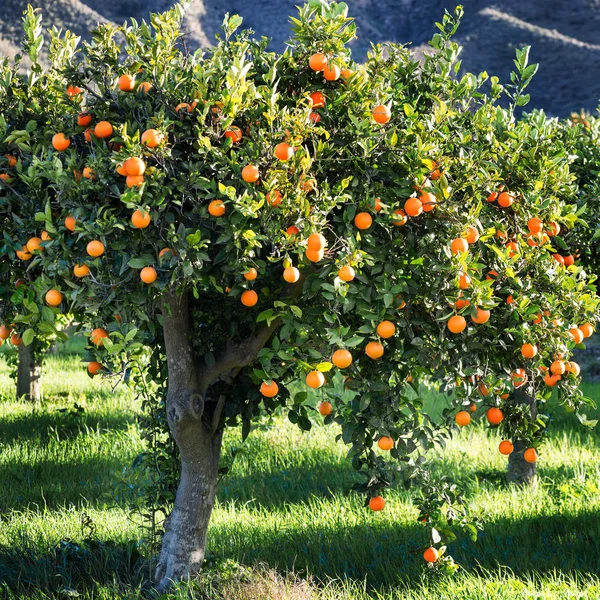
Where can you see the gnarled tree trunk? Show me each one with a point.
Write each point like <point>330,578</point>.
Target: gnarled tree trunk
<point>29,373</point>
<point>519,470</point>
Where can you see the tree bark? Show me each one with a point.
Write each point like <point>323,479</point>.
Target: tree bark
<point>29,373</point>
<point>519,470</point>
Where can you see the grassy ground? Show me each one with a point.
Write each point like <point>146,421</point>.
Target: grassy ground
<point>285,526</point>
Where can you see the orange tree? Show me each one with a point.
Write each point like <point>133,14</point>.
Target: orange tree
<point>28,103</point>
<point>283,227</point>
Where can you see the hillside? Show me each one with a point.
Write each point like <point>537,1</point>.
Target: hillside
<point>565,36</point>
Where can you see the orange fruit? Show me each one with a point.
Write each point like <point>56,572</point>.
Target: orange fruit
<point>24,254</point>
<point>317,62</point>
<point>494,416</point>
<point>464,281</point>
<point>535,225</point>
<point>315,255</point>
<point>569,260</point>
<point>292,230</point>
<point>234,134</point>
<point>363,220</point>
<point>94,368</point>
<point>551,380</point>
<point>73,90</point>
<point>587,329</point>
<point>53,297</point>
<point>382,114</point>
<point>152,138</point>
<point>325,408</point>
<point>315,379</point>
<point>513,249</point>
<point>559,259</point>
<point>98,335</point>
<point>346,273</point>
<point>472,407</point>
<point>431,555</point>
<point>166,251</point>
<point>15,339</point>
<point>12,160</point>
<point>459,245</point>
<point>126,83</point>
<point>558,367</point>
<point>273,198</point>
<point>385,442</point>
<point>314,117</point>
<point>135,166</point>
<point>471,235</point>
<point>121,170</point>
<point>249,298</point>
<point>60,142</point>
<point>81,270</point>
<point>317,100</point>
<point>510,299</point>
<point>87,134</point>
<point>462,418</point>
<point>402,218</point>
<point>183,107</point>
<point>413,207</point>
<point>4,176</point>
<point>283,151</point>
<point>70,223</point>
<point>95,248</point>
<point>376,503</point>
<point>5,332</point>
<point>103,129</point>
<point>386,329</point>
<point>250,174</point>
<point>341,359</point>
<point>216,208</point>
<point>428,200</point>
<point>148,275</point>
<point>269,389</point>
<point>529,350</point>
<point>140,219</point>
<point>457,324</point>
<point>505,199</point>
<point>144,87</point>
<point>519,377</point>
<point>308,184</point>
<point>316,242</point>
<point>553,228</point>
<point>461,303</point>
<point>45,236</point>
<point>492,197</point>
<point>482,316</point>
<point>377,204</point>
<point>505,447</point>
<point>134,181</point>
<point>251,274</point>
<point>291,274</point>
<point>576,334</point>
<point>573,367</point>
<point>89,174</point>
<point>331,72</point>
<point>347,73</point>
<point>35,243</point>
<point>374,350</point>
<point>530,455</point>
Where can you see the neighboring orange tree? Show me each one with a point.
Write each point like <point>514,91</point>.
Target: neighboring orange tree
<point>275,221</point>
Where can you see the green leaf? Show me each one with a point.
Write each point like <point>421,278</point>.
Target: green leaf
<point>28,336</point>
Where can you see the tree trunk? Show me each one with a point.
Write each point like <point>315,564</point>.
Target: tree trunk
<point>519,470</point>
<point>29,373</point>
<point>199,443</point>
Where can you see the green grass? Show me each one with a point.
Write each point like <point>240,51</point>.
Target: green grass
<point>285,525</point>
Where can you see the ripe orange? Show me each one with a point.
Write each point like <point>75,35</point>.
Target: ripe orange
<point>292,230</point>
<point>73,90</point>
<point>148,275</point>
<point>35,243</point>
<point>494,416</point>
<point>134,181</point>
<point>60,142</point>
<point>471,235</point>
<point>482,316</point>
<point>587,329</point>
<point>462,418</point>
<point>314,117</point>
<point>81,270</point>
<point>126,83</point>
<point>386,329</point>
<point>95,248</point>
<point>551,380</point>
<point>234,134</point>
<point>385,442</point>
<point>121,170</point>
<point>316,242</point>
<point>308,184</point>
<point>183,107</point>
<point>363,220</point>
<point>53,297</point>
<point>431,555</point>
<point>70,223</point>
<point>250,174</point>
<point>459,245</point>
<point>558,367</point>
<point>317,62</point>
<point>317,99</point>
<point>325,408</point>
<point>506,447</point>
<point>144,87</point>
<point>464,281</point>
<point>530,455</point>
<point>535,225</point>
<point>576,334</point>
<point>103,129</point>
<point>553,229</point>
<point>341,359</point>
<point>216,208</point>
<point>331,72</point>
<point>291,274</point>
<point>152,138</point>
<point>166,251</point>
<point>505,199</point>
<point>374,350</point>
<point>402,220</point>
<point>273,198</point>
<point>559,259</point>
<point>573,367</point>
<point>428,200</point>
<point>461,303</point>
<point>519,377</point>
<point>492,197</point>
<point>98,335</point>
<point>24,254</point>
<point>15,339</point>
<point>269,390</point>
<point>140,219</point>
<point>135,166</point>
<point>251,274</point>
<point>94,368</point>
<point>89,174</point>
<point>346,273</point>
<point>513,249</point>
<point>12,160</point>
<point>376,503</point>
<point>315,379</point>
<point>249,298</point>
<point>5,332</point>
<point>457,324</point>
<point>283,151</point>
<point>382,114</point>
<point>510,299</point>
<point>315,255</point>
<point>347,73</point>
<point>472,407</point>
<point>569,260</point>
<point>529,350</point>
<point>87,134</point>
<point>413,207</point>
